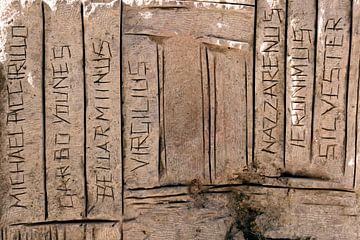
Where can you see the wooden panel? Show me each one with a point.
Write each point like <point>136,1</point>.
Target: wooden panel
<point>153,19</point>
<point>229,109</point>
<point>329,143</point>
<point>300,78</point>
<point>61,231</point>
<point>140,111</point>
<point>22,175</point>
<point>269,87</point>
<point>188,107</point>
<point>241,212</point>
<point>103,148</point>
<point>45,232</point>
<point>183,111</point>
<point>180,119</point>
<point>64,94</point>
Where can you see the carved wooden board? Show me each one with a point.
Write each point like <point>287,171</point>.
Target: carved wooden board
<point>179,119</point>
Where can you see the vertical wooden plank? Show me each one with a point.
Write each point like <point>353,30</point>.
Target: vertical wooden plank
<point>102,79</point>
<point>141,111</point>
<point>183,110</point>
<point>270,86</point>
<point>64,96</point>
<point>329,142</point>
<point>300,78</point>
<point>21,177</point>
<point>228,104</point>
<point>352,88</point>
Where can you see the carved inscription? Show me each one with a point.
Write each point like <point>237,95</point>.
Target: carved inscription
<point>60,58</point>
<point>139,127</point>
<point>269,85</point>
<point>102,64</point>
<point>103,125</point>
<point>15,120</point>
<point>197,125</point>
<point>300,77</point>
<point>137,120</point>
<point>64,87</point>
<point>21,143</point>
<point>141,111</point>
<point>331,87</point>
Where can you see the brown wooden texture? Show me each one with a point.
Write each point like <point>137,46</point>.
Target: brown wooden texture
<point>179,119</point>
<point>22,178</point>
<point>103,126</point>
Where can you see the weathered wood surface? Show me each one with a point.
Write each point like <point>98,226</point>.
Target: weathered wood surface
<point>179,119</point>
<point>64,113</point>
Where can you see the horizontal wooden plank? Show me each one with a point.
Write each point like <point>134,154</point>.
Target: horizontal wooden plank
<point>68,231</point>
<point>191,21</point>
<point>212,212</point>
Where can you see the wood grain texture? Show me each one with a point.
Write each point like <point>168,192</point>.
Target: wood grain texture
<point>270,87</point>
<point>180,119</point>
<point>64,107</point>
<point>103,100</point>
<point>329,142</point>
<point>22,181</point>
<point>300,78</point>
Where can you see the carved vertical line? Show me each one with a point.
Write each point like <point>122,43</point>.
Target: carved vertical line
<point>160,145</point>
<point>347,87</point>
<point>56,233</point>
<point>65,233</point>
<point>203,112</point>
<point>209,112</point>
<point>285,76</point>
<point>162,158</point>
<point>43,81</point>
<point>246,116</point>
<point>314,84</point>
<point>356,122</point>
<point>93,233</point>
<point>50,232</point>
<point>215,115</point>
<point>85,231</point>
<point>253,87</point>
<point>85,109</point>
<point>122,122</point>
<point>163,105</point>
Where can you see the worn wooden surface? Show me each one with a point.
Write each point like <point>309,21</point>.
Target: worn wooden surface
<point>162,119</point>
